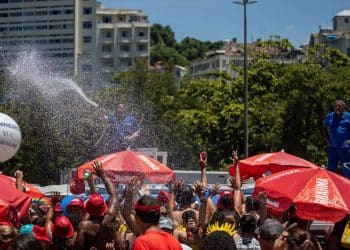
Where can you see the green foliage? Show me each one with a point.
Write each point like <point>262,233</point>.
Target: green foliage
<point>275,41</point>
<point>165,54</point>
<point>162,35</point>
<point>287,103</point>
<point>191,48</point>
<point>165,48</point>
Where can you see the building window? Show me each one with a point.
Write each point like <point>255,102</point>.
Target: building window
<point>55,41</point>
<point>40,13</point>
<point>87,39</point>
<point>28,27</point>
<point>55,12</point>
<point>28,13</point>
<point>106,49</point>
<point>141,34</point>
<point>87,10</point>
<point>125,33</point>
<point>13,14</point>
<point>348,51</point>
<point>68,26</point>
<point>107,34</point>
<point>133,18</point>
<point>124,48</point>
<point>87,25</point>
<point>15,28</point>
<point>41,27</point>
<point>68,40</point>
<point>68,11</point>
<point>55,27</point>
<point>141,47</point>
<point>4,1</point>
<point>346,20</point>
<point>106,19</point>
<point>3,15</point>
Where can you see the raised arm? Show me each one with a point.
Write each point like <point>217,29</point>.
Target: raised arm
<point>236,183</point>
<point>90,182</point>
<point>55,198</point>
<point>200,190</point>
<point>19,180</point>
<point>203,165</point>
<point>127,209</point>
<point>113,205</point>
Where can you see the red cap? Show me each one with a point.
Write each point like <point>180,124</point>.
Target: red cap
<point>95,205</point>
<point>163,196</point>
<point>58,208</point>
<point>76,202</point>
<point>77,186</point>
<point>62,228</point>
<point>40,233</point>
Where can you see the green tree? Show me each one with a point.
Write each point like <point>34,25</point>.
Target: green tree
<point>166,54</point>
<point>162,35</point>
<point>191,48</point>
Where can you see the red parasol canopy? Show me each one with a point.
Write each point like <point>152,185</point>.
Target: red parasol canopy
<point>14,204</point>
<point>257,165</point>
<point>32,191</point>
<point>317,194</point>
<point>121,166</point>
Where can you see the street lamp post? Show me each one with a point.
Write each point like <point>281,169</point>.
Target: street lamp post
<point>246,127</point>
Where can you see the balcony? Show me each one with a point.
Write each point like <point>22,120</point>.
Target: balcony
<point>105,25</point>
<point>104,40</point>
<point>124,40</point>
<point>141,54</point>
<point>124,54</point>
<point>106,55</point>
<point>141,39</point>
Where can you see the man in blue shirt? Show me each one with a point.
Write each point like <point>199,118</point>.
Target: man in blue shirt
<point>125,128</point>
<point>336,132</point>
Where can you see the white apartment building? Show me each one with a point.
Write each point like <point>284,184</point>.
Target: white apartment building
<point>338,37</point>
<point>83,38</point>
<point>123,36</point>
<point>48,26</point>
<point>214,61</point>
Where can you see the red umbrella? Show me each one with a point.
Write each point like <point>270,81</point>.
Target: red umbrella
<point>121,166</point>
<point>317,194</point>
<point>14,204</point>
<point>257,165</point>
<point>32,191</point>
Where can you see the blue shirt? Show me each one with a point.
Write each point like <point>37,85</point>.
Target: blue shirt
<point>339,129</point>
<point>126,126</point>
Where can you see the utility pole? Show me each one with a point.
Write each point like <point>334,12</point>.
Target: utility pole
<point>246,93</point>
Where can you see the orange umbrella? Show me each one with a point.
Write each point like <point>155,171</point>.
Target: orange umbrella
<point>316,194</point>
<point>32,191</point>
<point>14,204</point>
<point>121,166</point>
<point>255,166</point>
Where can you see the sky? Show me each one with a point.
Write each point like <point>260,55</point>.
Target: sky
<point>215,20</point>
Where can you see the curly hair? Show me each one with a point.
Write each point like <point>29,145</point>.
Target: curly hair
<point>218,240</point>
<point>185,196</point>
<point>300,239</point>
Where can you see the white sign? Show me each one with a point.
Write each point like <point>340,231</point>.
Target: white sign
<point>10,137</point>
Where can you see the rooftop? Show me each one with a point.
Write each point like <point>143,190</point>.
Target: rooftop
<point>344,13</point>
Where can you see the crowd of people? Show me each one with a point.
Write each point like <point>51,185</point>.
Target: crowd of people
<point>182,217</point>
